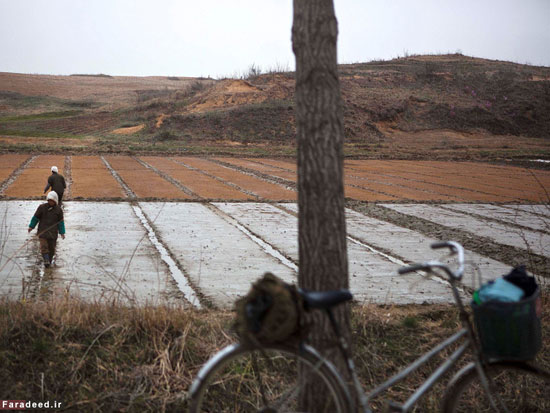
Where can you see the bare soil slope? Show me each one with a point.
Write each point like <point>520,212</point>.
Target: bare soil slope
<point>444,106</point>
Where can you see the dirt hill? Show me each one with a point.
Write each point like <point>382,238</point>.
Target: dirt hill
<point>443,106</point>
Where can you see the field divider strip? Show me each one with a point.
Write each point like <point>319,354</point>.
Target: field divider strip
<point>491,219</point>
<point>399,261</point>
<point>266,246</point>
<point>485,246</point>
<point>67,170</point>
<point>377,192</point>
<point>168,257</point>
<point>291,185</point>
<point>285,183</point>
<point>15,174</point>
<point>271,165</point>
<point>167,177</point>
<point>129,193</point>
<point>384,254</point>
<point>217,178</point>
<point>533,211</point>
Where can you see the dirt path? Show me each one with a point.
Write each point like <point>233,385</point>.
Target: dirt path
<point>68,178</point>
<point>14,174</point>
<point>129,193</point>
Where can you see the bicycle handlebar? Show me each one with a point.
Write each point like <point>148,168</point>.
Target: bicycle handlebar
<point>413,268</point>
<point>454,247</point>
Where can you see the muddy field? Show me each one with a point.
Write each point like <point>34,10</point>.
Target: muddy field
<point>199,230</point>
<point>151,252</point>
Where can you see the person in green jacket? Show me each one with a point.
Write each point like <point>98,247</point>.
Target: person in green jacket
<point>49,217</point>
<point>56,182</point>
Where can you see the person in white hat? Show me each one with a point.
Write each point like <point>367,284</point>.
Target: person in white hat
<point>49,217</point>
<point>56,182</point>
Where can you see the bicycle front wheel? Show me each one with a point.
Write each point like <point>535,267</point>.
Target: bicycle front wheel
<point>268,380</point>
<point>515,387</point>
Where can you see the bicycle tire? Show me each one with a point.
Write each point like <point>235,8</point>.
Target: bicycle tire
<point>233,382</point>
<point>520,386</point>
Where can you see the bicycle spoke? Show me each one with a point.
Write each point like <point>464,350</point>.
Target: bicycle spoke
<point>266,381</point>
<point>515,387</point>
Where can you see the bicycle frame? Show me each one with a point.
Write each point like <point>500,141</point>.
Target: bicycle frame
<point>467,333</point>
<point>465,339</point>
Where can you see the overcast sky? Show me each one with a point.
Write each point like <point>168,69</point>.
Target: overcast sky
<point>224,37</point>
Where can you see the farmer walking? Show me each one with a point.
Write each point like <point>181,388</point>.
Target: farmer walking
<point>56,182</point>
<point>49,217</point>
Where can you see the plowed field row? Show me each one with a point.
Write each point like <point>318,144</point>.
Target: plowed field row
<point>277,170</point>
<point>143,181</point>
<point>249,183</point>
<point>31,182</point>
<point>92,179</point>
<point>8,164</point>
<point>433,181</point>
<point>202,185</point>
<point>188,178</point>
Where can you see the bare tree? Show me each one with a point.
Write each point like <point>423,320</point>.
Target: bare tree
<point>319,127</point>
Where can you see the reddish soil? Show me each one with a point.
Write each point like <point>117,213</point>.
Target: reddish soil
<point>365,194</point>
<point>265,169</point>
<point>199,183</point>
<point>290,165</point>
<point>255,185</point>
<point>509,181</point>
<point>366,180</point>
<point>47,161</point>
<point>438,191</point>
<point>92,179</point>
<point>8,163</point>
<point>12,161</point>
<point>467,181</point>
<point>33,179</point>
<point>5,173</point>
<point>128,130</point>
<point>399,192</point>
<point>144,182</point>
<point>235,92</point>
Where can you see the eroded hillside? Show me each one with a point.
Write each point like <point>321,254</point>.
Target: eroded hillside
<point>444,106</point>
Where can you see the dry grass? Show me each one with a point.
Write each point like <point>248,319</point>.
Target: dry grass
<point>96,357</point>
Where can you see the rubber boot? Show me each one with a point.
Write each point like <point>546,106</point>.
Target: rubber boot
<point>46,260</point>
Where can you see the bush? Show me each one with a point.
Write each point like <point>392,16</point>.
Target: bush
<point>164,136</point>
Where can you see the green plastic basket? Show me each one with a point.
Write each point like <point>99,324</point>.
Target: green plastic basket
<point>510,331</point>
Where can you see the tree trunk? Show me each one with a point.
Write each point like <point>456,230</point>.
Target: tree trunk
<point>319,126</point>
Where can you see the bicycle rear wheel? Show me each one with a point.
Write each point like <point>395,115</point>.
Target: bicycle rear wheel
<point>520,387</point>
<point>244,379</point>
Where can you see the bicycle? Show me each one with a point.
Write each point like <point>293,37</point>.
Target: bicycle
<point>270,378</point>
